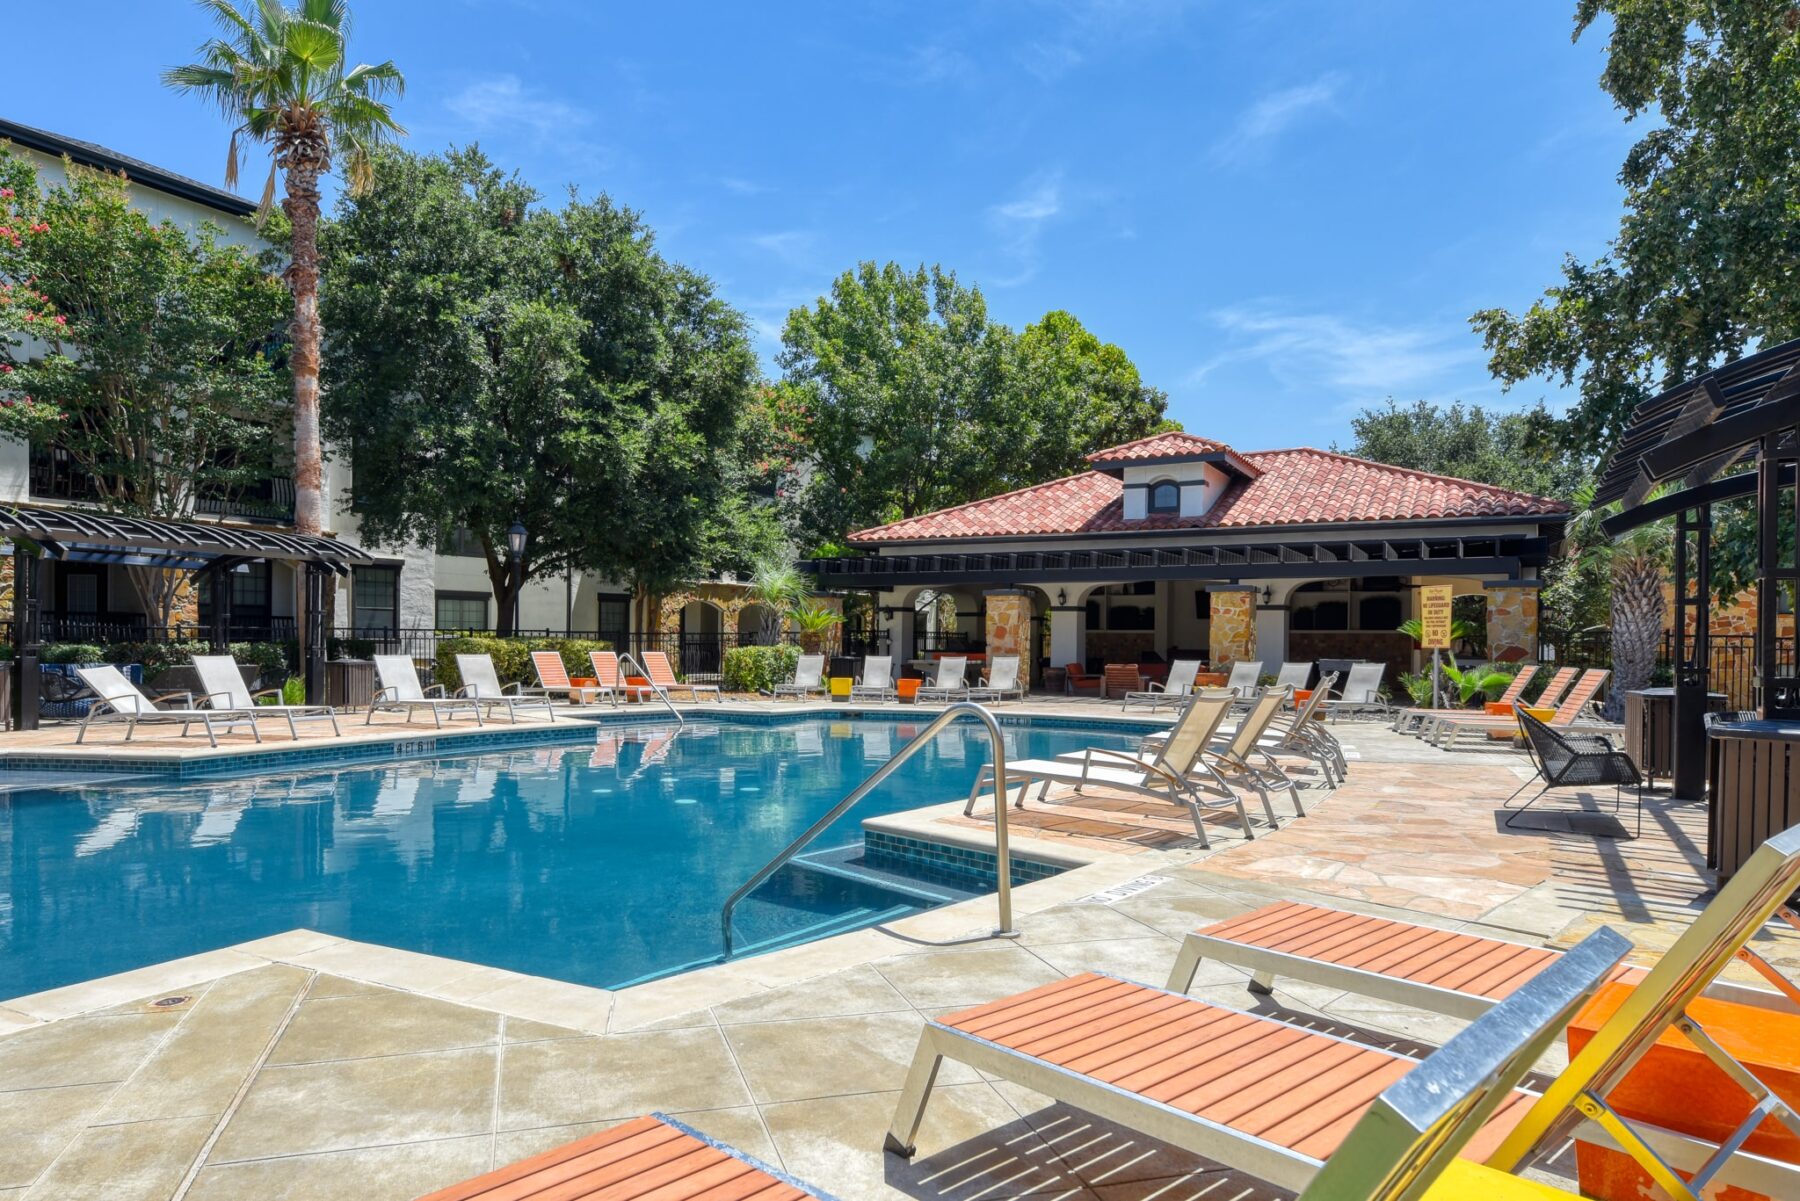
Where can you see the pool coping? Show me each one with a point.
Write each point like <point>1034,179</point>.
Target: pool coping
<point>585,1007</point>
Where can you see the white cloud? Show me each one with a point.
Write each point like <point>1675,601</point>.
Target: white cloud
<point>794,247</point>
<point>1342,363</point>
<point>1019,223</point>
<point>742,187</point>
<point>502,104</point>
<point>1274,114</point>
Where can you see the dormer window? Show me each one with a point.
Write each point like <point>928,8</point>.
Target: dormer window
<point>1165,497</point>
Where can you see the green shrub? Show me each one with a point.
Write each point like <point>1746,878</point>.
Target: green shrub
<point>293,691</point>
<point>157,657</point>
<point>349,648</point>
<point>512,656</point>
<point>759,668</point>
<point>78,652</point>
<point>271,658</point>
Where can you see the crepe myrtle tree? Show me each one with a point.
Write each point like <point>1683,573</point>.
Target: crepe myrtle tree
<point>141,352</point>
<point>283,75</point>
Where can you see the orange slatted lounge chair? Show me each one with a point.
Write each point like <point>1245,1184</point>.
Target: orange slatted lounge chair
<point>1572,714</point>
<point>606,675</point>
<point>653,1158</point>
<point>553,680</point>
<point>662,675</point>
<point>1120,680</point>
<point>1425,721</point>
<point>1255,1093</point>
<point>1409,721</point>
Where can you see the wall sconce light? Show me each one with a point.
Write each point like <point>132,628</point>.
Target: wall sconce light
<point>1268,594</point>
<point>1062,597</point>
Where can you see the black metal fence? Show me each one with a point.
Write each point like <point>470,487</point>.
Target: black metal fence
<point>1731,667</point>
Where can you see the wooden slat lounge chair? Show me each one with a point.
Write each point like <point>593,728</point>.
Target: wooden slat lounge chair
<point>1572,715</point>
<point>1121,680</point>
<point>400,690</point>
<point>553,681</point>
<point>1172,691</point>
<point>120,701</point>
<point>662,675</point>
<point>1175,773</point>
<point>1409,721</point>
<point>1254,1092</point>
<point>225,689</point>
<point>653,1158</point>
<point>809,677</point>
<point>605,665</point>
<point>877,683</point>
<point>1000,682</point>
<point>481,684</point>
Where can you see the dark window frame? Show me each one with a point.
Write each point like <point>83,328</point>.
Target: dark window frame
<point>1153,505</point>
<point>459,597</point>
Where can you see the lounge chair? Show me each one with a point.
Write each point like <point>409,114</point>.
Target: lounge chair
<point>662,677</point>
<point>1121,679</point>
<point>950,683</point>
<point>225,689</point>
<point>553,681</point>
<point>1245,677</point>
<point>1076,678</point>
<point>481,683</point>
<point>1415,720</point>
<point>605,665</point>
<point>1171,691</point>
<point>1298,733</point>
<point>1573,715</point>
<point>809,677</point>
<point>1301,1109</point>
<point>1174,773</point>
<point>1362,692</point>
<point>1294,675</point>
<point>877,681</point>
<point>653,1158</point>
<point>1000,682</point>
<point>400,690</point>
<point>120,701</point>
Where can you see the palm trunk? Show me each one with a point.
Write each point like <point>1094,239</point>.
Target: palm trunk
<point>1637,613</point>
<point>302,208</point>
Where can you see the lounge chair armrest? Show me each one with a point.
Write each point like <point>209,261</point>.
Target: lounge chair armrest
<point>383,694</point>
<point>265,692</point>
<point>436,690</point>
<point>516,688</point>
<point>1125,757</point>
<point>186,698</point>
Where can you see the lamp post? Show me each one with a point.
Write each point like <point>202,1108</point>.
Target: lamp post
<point>515,560</point>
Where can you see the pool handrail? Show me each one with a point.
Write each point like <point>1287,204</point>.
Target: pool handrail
<point>1002,853</point>
<point>626,660</point>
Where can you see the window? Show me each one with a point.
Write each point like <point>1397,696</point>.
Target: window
<point>1165,497</point>
<point>375,597</point>
<point>462,611</point>
<point>461,544</point>
<point>614,625</point>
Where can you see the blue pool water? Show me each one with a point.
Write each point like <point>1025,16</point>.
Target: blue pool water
<point>600,863</point>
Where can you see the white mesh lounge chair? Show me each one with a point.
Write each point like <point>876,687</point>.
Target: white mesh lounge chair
<point>809,677</point>
<point>1172,691</point>
<point>1000,682</point>
<point>662,676</point>
<point>877,683</point>
<point>1294,675</point>
<point>1362,692</point>
<point>1176,772</point>
<point>1308,1111</point>
<point>1245,677</point>
<point>225,689</point>
<point>553,681</point>
<point>400,692</point>
<point>481,683</point>
<point>950,683</point>
<point>120,701</point>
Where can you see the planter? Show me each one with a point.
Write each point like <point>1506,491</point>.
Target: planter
<point>840,687</point>
<point>908,690</point>
<point>636,688</point>
<point>812,644</point>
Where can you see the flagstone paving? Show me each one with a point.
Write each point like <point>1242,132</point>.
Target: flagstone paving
<point>302,1080</point>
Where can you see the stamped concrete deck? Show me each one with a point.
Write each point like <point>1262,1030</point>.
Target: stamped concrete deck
<point>298,1069</point>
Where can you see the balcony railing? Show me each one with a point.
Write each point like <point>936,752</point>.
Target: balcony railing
<point>56,476</point>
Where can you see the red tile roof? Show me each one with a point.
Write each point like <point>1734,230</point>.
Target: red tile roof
<point>1159,446</point>
<point>1294,487</point>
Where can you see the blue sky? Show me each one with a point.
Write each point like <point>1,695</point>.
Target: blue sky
<point>1282,211</point>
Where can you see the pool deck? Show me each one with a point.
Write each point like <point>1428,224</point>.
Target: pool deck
<point>304,1066</point>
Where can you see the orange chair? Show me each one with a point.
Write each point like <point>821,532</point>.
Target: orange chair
<point>1078,679</point>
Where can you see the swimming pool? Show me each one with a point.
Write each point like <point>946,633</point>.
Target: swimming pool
<point>600,863</point>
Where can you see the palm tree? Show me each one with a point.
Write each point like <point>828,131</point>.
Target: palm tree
<point>280,74</point>
<point>1638,563</point>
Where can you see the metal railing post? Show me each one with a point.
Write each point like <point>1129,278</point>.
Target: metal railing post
<point>1002,847</point>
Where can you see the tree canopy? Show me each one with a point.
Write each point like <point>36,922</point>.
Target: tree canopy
<point>493,360</point>
<point>140,351</point>
<point>1470,442</point>
<point>909,397</point>
<point>1703,261</point>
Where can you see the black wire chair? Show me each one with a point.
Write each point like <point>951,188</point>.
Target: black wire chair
<point>1576,761</point>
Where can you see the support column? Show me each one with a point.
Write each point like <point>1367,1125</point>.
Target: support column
<point>1232,637</point>
<point>1272,626</point>
<point>1068,635</point>
<point>900,637</point>
<point>1008,630</point>
<point>1512,621</point>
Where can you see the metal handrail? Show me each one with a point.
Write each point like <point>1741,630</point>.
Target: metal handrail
<point>644,674</point>
<point>1002,853</point>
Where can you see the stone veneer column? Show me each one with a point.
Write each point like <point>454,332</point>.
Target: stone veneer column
<point>1512,622</point>
<point>1009,630</point>
<point>1232,627</point>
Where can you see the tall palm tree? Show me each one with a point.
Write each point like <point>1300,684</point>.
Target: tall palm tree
<point>1638,563</point>
<point>280,73</point>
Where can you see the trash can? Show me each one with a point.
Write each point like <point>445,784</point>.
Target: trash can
<point>349,683</point>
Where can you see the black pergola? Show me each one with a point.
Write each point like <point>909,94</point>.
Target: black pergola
<point>1744,414</point>
<point>41,534</point>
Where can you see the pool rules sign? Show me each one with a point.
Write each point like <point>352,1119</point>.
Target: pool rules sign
<point>1434,617</point>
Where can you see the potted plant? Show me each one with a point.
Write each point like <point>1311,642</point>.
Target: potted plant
<point>814,622</point>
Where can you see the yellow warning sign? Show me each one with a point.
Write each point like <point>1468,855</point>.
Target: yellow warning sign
<point>1434,617</point>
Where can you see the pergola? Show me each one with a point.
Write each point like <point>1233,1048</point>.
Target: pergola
<point>41,534</point>
<point>1745,414</point>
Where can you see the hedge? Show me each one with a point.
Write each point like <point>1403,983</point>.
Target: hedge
<point>512,657</point>
<point>759,668</point>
